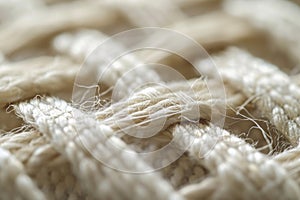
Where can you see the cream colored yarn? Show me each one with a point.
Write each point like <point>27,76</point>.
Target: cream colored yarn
<point>52,147</point>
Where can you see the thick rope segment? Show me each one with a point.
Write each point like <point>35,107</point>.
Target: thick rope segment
<point>184,171</point>
<point>238,171</point>
<point>173,102</point>
<point>158,99</point>
<point>273,92</point>
<point>43,75</point>
<point>278,18</point>
<point>51,20</point>
<point>14,183</point>
<point>126,73</point>
<point>290,160</point>
<point>44,165</point>
<point>22,145</point>
<point>79,141</point>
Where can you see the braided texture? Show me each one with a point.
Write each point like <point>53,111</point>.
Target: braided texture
<point>202,105</point>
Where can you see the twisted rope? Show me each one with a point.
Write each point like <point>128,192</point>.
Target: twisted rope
<point>63,133</point>
<point>53,146</point>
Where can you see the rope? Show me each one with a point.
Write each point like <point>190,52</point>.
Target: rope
<point>275,95</point>
<point>234,164</point>
<point>14,181</point>
<point>94,177</point>
<point>74,125</point>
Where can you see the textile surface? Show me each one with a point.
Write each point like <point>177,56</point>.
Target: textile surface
<point>183,99</point>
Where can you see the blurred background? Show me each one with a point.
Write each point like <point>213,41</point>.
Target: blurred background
<point>267,29</point>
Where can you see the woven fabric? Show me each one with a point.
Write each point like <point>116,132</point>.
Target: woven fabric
<point>94,104</point>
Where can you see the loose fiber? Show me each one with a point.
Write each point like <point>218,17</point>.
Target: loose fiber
<point>274,94</point>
